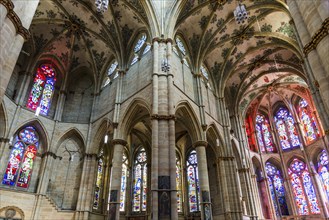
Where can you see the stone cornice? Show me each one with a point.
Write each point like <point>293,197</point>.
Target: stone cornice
<point>15,19</point>
<point>119,141</point>
<point>163,117</point>
<point>200,144</point>
<point>317,37</point>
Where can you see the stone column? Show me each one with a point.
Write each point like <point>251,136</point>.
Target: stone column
<point>115,179</point>
<point>312,33</point>
<point>205,203</point>
<point>13,33</point>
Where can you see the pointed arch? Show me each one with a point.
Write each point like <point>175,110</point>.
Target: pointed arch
<point>72,134</point>
<point>105,127</point>
<point>136,110</point>
<point>185,114</point>
<point>215,139</point>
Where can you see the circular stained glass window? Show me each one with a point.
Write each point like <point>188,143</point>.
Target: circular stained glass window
<point>270,169</point>
<point>297,166</point>
<point>28,135</point>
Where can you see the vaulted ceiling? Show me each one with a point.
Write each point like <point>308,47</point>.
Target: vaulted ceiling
<point>243,60</point>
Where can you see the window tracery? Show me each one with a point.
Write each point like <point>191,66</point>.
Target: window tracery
<point>140,181</point>
<point>286,129</point>
<point>264,136</point>
<point>42,89</point>
<point>303,188</point>
<point>276,189</point>
<point>22,158</point>
<point>193,182</point>
<point>307,120</point>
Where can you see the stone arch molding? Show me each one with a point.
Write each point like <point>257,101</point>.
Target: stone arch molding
<point>128,118</point>
<point>215,139</point>
<point>12,211</point>
<point>72,134</point>
<point>192,124</point>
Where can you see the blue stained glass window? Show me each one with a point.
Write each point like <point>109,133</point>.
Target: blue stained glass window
<point>323,170</point>
<point>181,46</point>
<point>140,43</point>
<point>124,177</point>
<point>277,189</point>
<point>286,129</point>
<point>204,72</point>
<point>264,135</point>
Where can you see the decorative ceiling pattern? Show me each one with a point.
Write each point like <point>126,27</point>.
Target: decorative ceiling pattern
<point>244,60</point>
<point>76,35</point>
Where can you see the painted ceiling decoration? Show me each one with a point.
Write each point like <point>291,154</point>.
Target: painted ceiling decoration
<point>242,60</point>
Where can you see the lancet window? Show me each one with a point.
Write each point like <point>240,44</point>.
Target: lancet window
<point>99,180</point>
<point>42,89</point>
<point>264,137</point>
<point>140,181</point>
<point>303,188</point>
<point>193,182</point>
<point>307,120</point>
<point>323,170</point>
<point>286,129</point>
<point>277,190</point>
<point>179,183</point>
<point>20,165</point>
<point>124,177</point>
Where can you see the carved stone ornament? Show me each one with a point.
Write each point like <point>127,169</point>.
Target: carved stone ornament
<point>317,37</point>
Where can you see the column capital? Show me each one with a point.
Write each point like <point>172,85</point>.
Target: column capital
<point>200,143</point>
<point>162,40</point>
<point>119,141</point>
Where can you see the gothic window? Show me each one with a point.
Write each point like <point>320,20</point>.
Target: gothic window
<point>110,73</point>
<point>42,89</point>
<point>287,131</point>
<point>307,120</point>
<point>323,170</point>
<point>204,72</point>
<point>99,180</point>
<point>303,188</point>
<point>123,187</point>
<point>147,49</point>
<point>193,181</point>
<point>179,183</point>
<point>180,46</point>
<point>139,45</point>
<point>263,131</point>
<point>277,190</point>
<point>140,181</point>
<point>20,164</point>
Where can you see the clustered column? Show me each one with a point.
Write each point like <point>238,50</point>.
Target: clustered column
<point>13,33</point>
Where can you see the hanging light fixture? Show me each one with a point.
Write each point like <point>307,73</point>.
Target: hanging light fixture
<point>102,5</point>
<point>240,13</point>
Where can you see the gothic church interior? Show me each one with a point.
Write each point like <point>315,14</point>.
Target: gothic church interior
<point>164,109</point>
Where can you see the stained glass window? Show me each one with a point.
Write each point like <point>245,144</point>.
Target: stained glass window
<point>303,188</point>
<point>135,59</point>
<point>204,72</point>
<point>179,184</point>
<point>21,158</point>
<point>140,43</point>
<point>124,177</point>
<point>181,46</point>
<point>286,129</point>
<point>277,190</point>
<point>307,120</point>
<point>323,170</point>
<point>99,180</point>
<point>193,182</point>
<point>147,49</point>
<point>140,181</point>
<point>263,132</point>
<point>42,89</point>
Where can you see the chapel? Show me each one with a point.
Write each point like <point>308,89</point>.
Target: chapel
<point>164,109</point>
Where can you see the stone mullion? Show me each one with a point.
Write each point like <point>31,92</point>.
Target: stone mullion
<point>204,199</point>
<point>286,179</point>
<point>245,167</point>
<point>172,145</point>
<point>317,188</point>
<point>115,179</point>
<point>155,130</point>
